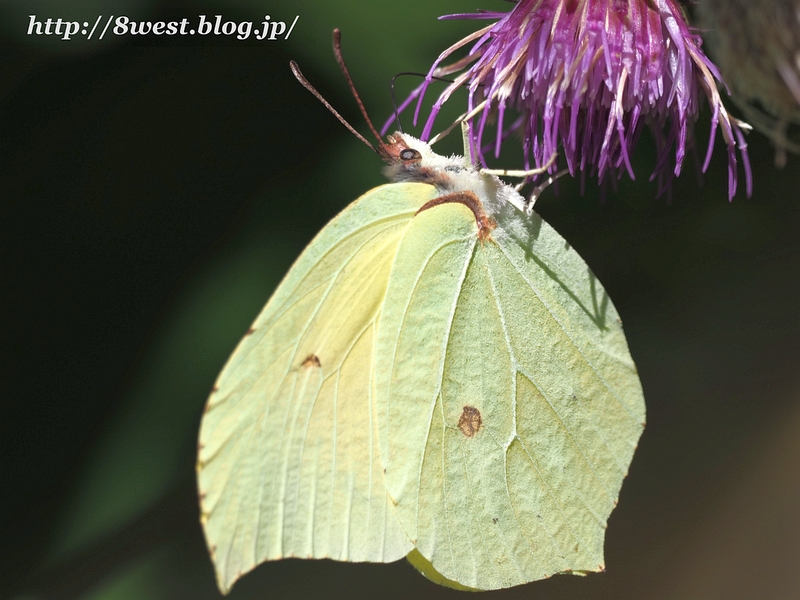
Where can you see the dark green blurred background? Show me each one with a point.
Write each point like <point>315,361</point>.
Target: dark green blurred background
<point>156,190</point>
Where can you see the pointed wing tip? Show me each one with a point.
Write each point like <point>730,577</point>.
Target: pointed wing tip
<point>225,581</point>
<point>224,585</point>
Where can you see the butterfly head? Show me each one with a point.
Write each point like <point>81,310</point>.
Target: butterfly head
<point>410,159</point>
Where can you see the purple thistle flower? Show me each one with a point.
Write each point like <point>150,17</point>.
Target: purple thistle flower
<point>587,75</point>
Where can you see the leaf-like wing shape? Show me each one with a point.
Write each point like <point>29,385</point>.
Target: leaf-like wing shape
<point>288,461</point>
<point>509,407</point>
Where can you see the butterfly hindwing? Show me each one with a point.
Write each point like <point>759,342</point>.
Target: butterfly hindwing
<point>508,405</point>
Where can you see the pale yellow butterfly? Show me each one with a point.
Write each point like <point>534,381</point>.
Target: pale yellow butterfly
<point>438,376</point>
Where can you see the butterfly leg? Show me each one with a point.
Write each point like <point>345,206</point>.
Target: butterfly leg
<point>522,173</point>
<point>537,191</point>
<point>471,201</point>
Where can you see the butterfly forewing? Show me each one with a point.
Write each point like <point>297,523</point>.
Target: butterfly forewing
<point>289,457</point>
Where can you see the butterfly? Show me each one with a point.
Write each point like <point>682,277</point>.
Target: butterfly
<point>439,376</point>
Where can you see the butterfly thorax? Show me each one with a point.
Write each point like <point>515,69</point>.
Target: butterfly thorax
<point>411,160</point>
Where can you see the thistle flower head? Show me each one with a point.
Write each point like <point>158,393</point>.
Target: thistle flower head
<point>757,48</point>
<point>586,76</point>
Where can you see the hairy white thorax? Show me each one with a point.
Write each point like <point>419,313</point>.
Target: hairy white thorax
<point>450,174</point>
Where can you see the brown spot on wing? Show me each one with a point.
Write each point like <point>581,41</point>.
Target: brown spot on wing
<point>470,421</point>
<point>312,360</point>
<point>207,406</point>
<point>250,331</point>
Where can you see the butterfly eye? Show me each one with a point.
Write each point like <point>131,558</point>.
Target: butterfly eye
<point>409,155</point>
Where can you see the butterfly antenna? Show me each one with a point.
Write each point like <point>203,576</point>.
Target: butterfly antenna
<point>337,50</point>
<point>306,84</point>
